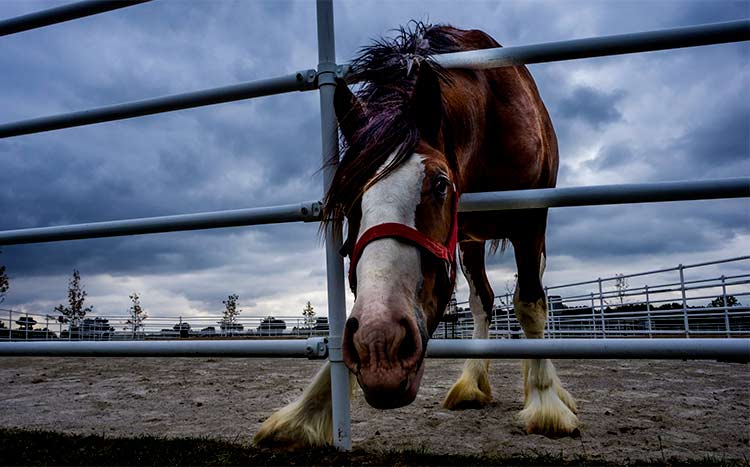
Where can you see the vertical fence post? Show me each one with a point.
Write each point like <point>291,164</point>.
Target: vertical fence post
<point>334,262</point>
<point>593,317</point>
<point>726,305</point>
<point>550,316</point>
<point>648,312</point>
<point>601,309</point>
<point>684,300</point>
<point>46,328</point>
<point>10,324</point>
<point>507,310</point>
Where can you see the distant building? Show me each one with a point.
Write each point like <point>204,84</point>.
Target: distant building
<point>271,326</point>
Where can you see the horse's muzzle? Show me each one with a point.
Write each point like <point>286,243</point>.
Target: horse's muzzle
<point>385,352</point>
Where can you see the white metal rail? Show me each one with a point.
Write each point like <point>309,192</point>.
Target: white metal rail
<point>323,79</point>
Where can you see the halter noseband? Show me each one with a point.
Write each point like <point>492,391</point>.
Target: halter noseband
<point>411,235</point>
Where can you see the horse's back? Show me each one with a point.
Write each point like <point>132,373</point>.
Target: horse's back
<point>513,146</point>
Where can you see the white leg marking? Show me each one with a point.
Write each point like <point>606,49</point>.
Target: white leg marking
<point>473,387</point>
<point>305,422</point>
<point>548,408</point>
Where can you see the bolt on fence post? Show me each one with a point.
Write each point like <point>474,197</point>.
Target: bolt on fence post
<point>684,300</point>
<point>601,309</point>
<point>648,313</point>
<point>333,234</point>
<point>726,305</point>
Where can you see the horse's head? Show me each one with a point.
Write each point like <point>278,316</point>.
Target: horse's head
<point>397,189</point>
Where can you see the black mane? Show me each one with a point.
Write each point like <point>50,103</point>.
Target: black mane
<point>386,71</point>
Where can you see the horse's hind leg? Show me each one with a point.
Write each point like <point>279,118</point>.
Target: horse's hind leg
<point>305,422</point>
<point>472,389</point>
<point>548,408</point>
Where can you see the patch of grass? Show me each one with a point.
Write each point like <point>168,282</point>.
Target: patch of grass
<point>27,447</point>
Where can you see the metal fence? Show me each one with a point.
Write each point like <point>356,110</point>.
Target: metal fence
<point>666,302</point>
<point>323,79</point>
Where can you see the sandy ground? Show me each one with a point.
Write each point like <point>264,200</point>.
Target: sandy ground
<point>631,410</point>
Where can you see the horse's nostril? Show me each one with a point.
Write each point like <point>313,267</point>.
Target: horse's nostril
<point>351,357</point>
<point>352,324</point>
<point>408,346</point>
<point>404,384</point>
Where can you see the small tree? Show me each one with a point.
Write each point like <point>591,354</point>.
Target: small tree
<point>137,314</point>
<point>309,313</point>
<point>718,302</point>
<point>621,285</point>
<point>4,283</point>
<point>75,311</point>
<point>231,312</point>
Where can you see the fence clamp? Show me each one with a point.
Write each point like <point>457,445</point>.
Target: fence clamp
<point>317,348</point>
<point>311,211</point>
<point>307,78</point>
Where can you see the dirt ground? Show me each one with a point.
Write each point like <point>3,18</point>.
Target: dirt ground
<point>630,410</point>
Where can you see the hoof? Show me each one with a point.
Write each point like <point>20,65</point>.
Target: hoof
<point>471,391</point>
<point>289,429</point>
<point>547,414</point>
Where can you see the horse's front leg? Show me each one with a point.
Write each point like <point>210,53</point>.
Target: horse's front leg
<point>305,422</point>
<point>472,390</point>
<point>548,408</point>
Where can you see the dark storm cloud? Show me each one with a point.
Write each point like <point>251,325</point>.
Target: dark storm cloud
<point>719,141</point>
<point>595,107</point>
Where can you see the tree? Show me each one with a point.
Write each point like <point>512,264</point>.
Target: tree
<point>718,302</point>
<point>309,313</point>
<point>231,312</point>
<point>137,314</point>
<point>4,283</point>
<point>75,311</point>
<point>621,284</point>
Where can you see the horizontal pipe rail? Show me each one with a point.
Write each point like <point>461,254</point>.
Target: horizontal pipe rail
<point>654,271</point>
<point>606,194</point>
<point>302,212</point>
<point>312,348</point>
<point>734,350</point>
<point>689,36</point>
<point>61,14</point>
<point>310,211</point>
<point>300,81</point>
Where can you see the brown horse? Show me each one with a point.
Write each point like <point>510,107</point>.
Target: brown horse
<point>416,137</point>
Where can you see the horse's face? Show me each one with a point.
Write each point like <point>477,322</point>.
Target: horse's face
<point>401,288</point>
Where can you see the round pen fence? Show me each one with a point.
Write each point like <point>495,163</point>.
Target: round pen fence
<point>324,79</point>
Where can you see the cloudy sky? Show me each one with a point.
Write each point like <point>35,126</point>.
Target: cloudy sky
<point>659,116</point>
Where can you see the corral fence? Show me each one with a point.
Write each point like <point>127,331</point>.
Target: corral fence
<point>324,79</point>
<point>687,300</point>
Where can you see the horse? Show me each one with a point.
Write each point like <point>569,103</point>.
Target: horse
<point>415,137</point>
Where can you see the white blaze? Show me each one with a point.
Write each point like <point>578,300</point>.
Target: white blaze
<point>388,263</point>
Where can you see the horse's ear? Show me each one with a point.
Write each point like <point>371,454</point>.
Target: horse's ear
<point>427,104</point>
<point>349,110</point>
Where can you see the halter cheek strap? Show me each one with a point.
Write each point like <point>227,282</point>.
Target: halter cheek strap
<point>411,235</point>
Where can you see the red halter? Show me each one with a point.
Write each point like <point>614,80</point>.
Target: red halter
<point>410,235</point>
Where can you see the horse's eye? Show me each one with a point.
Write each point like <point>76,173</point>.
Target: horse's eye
<point>440,186</point>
